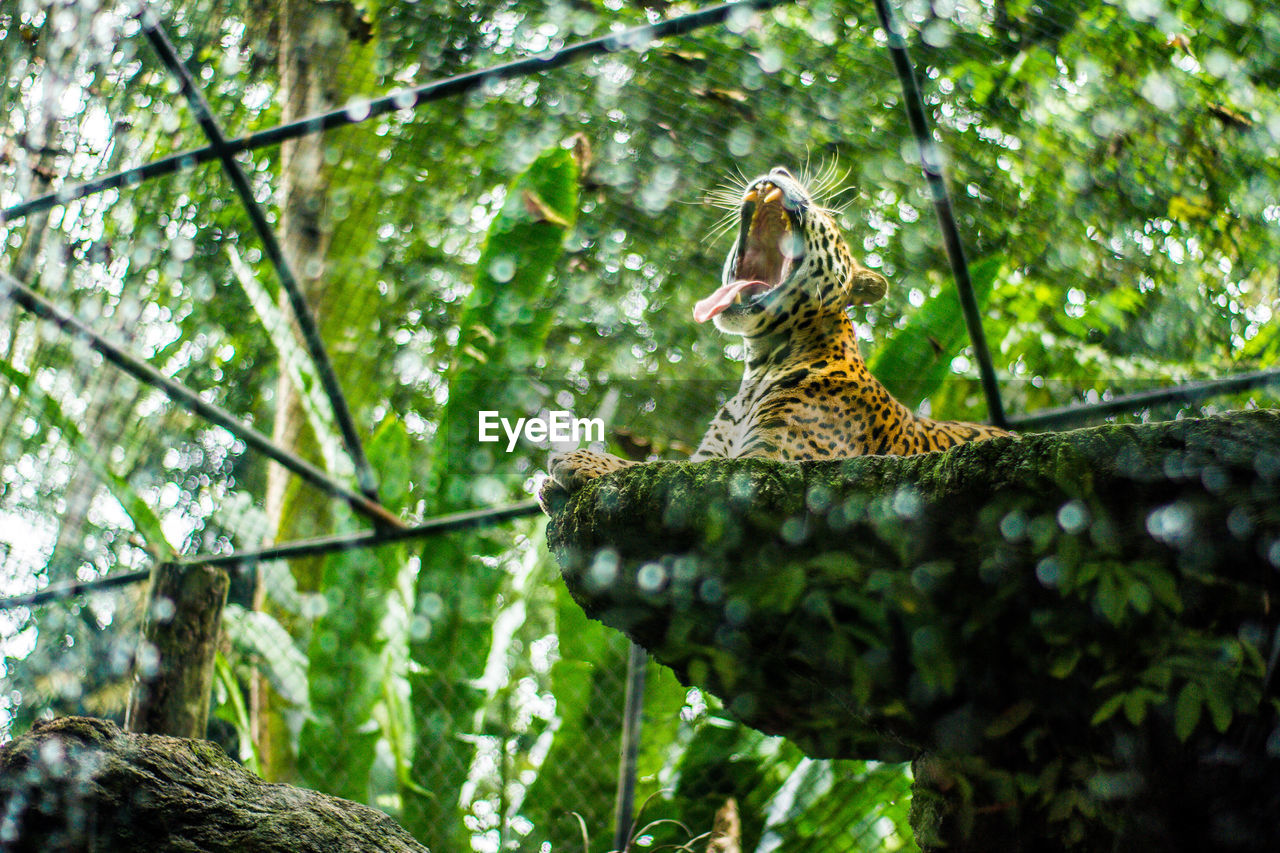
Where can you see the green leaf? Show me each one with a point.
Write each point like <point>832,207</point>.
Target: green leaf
<point>1186,710</point>
<point>345,671</point>
<point>510,294</point>
<point>664,697</point>
<point>503,328</point>
<point>1135,704</point>
<point>1064,664</point>
<point>1108,709</point>
<point>504,320</point>
<point>1109,601</point>
<point>387,452</point>
<point>1220,707</point>
<point>259,636</point>
<point>580,769</point>
<point>236,711</point>
<point>1165,589</point>
<point>916,360</point>
<point>347,654</point>
<point>1140,596</point>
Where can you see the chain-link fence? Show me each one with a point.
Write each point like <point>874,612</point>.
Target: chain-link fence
<point>274,282</point>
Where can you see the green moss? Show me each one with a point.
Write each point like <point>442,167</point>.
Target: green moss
<point>1004,605</point>
<point>78,783</point>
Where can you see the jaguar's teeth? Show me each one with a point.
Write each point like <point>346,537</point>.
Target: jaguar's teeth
<point>772,195</point>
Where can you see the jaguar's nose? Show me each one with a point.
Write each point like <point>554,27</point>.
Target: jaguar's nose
<point>782,172</point>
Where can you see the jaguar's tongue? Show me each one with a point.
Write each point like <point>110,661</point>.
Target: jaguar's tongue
<point>724,297</point>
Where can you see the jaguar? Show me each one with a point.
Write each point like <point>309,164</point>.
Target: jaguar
<point>806,392</point>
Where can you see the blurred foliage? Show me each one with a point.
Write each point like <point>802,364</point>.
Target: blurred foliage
<point>459,595</point>
<point>1114,162</point>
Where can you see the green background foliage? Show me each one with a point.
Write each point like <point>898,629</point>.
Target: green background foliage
<point>1114,171</point>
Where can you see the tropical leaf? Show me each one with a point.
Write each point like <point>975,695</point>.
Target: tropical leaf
<point>503,327</point>
<point>916,360</point>
<point>580,772</point>
<point>347,651</point>
<point>664,697</point>
<point>230,705</point>
<point>259,636</point>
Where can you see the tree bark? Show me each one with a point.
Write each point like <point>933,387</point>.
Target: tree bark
<point>174,665</point>
<point>311,44</point>
<point>1029,611</point>
<point>80,784</point>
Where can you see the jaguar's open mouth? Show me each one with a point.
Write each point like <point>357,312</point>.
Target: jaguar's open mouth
<point>769,247</point>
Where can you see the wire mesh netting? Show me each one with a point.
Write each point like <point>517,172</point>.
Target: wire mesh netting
<point>1115,179</point>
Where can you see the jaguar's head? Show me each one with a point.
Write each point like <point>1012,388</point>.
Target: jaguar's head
<point>788,263</point>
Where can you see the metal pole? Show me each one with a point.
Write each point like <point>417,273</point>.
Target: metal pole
<point>932,167</point>
<point>632,39</point>
<point>301,311</point>
<point>185,397</point>
<point>1191,392</point>
<point>624,806</point>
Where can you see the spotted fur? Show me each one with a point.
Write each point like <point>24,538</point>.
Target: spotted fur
<point>806,392</point>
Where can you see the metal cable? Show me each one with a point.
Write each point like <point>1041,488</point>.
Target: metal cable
<point>467,520</point>
<point>632,39</point>
<point>1190,392</point>
<point>365,476</point>
<point>190,400</point>
<point>931,164</point>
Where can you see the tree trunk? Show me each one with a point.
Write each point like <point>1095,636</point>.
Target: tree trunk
<point>174,663</point>
<point>80,784</point>
<point>311,45</point>
<point>1073,626</point>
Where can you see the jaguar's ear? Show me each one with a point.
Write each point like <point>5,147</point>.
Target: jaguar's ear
<point>867,286</point>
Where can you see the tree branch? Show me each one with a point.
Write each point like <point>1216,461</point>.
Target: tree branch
<point>1012,602</point>
<point>81,784</point>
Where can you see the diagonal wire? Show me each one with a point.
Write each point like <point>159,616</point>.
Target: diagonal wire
<point>159,39</point>
<point>636,38</point>
<point>466,520</point>
<point>71,590</point>
<point>190,400</point>
<point>931,164</point>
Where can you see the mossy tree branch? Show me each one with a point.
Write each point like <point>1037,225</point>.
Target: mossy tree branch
<point>1044,615</point>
